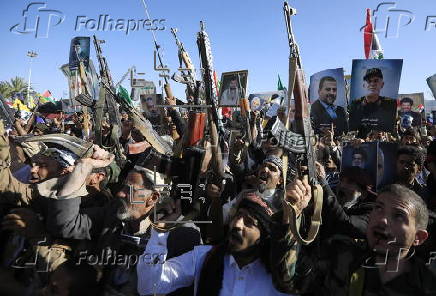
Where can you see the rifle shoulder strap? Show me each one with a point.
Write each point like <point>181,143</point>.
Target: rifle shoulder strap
<point>315,223</point>
<point>317,192</point>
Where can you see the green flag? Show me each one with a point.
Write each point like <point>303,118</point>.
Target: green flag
<point>280,85</point>
<point>122,92</point>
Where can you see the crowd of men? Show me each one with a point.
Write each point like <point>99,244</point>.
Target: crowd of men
<point>84,222</point>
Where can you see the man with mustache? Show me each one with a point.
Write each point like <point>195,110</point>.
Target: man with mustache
<point>406,104</point>
<point>373,111</point>
<point>324,113</point>
<point>268,178</point>
<point>241,265</point>
<point>232,94</point>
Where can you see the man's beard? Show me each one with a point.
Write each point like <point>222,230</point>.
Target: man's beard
<point>330,99</point>
<point>261,187</point>
<point>248,252</point>
<point>124,212</point>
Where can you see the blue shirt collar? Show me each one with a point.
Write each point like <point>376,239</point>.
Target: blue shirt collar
<point>327,106</point>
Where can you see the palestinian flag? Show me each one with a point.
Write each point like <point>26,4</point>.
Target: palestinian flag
<point>376,49</point>
<point>47,97</point>
<point>372,44</point>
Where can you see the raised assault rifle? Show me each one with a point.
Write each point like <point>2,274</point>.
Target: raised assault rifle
<point>297,85</point>
<point>108,94</point>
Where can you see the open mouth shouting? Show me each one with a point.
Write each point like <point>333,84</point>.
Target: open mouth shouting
<point>263,178</point>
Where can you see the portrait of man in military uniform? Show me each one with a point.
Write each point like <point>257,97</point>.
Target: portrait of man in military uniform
<point>373,111</point>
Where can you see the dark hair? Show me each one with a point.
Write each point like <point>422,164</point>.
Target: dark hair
<point>324,79</point>
<point>421,211</point>
<point>360,151</point>
<point>212,271</point>
<point>148,184</point>
<point>416,153</point>
<point>407,100</point>
<point>356,175</point>
<point>85,278</point>
<point>373,72</point>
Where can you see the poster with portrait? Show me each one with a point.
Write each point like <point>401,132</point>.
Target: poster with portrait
<point>266,101</point>
<point>374,89</point>
<point>233,87</point>
<point>79,51</point>
<point>328,103</point>
<point>386,163</point>
<point>149,102</point>
<point>363,156</point>
<point>411,109</point>
<point>257,101</point>
<point>328,86</point>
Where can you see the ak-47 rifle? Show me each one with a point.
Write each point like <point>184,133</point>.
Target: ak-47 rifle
<point>216,128</point>
<point>140,122</point>
<point>197,116</point>
<point>107,103</point>
<point>297,85</point>
<point>188,76</point>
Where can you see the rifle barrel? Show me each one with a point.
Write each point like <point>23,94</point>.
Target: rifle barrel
<point>156,45</point>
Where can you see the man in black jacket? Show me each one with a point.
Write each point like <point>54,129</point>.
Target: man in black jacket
<point>323,111</point>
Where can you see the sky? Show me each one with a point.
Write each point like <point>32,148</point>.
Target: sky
<point>245,34</point>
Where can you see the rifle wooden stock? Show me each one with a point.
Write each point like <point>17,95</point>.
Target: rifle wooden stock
<point>301,101</point>
<point>187,61</point>
<point>216,160</point>
<point>245,106</point>
<point>168,91</point>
